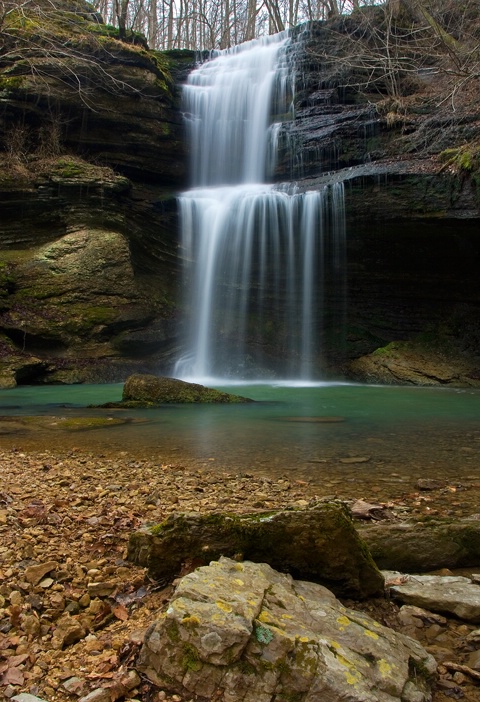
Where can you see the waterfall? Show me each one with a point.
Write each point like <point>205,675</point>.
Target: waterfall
<point>255,255</point>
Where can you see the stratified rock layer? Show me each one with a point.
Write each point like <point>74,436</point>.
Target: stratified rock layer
<point>410,364</point>
<point>320,544</point>
<point>250,634</point>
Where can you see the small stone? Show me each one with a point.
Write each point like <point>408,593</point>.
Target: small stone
<point>101,589</point>
<point>411,694</point>
<point>459,678</point>
<point>68,631</point>
<point>117,642</point>
<point>473,660</point>
<point>96,606</point>
<point>16,598</point>
<point>439,653</point>
<point>355,459</point>
<point>474,636</point>
<point>430,484</point>
<point>72,608</point>
<point>301,504</point>
<point>31,625</point>
<point>433,631</point>
<point>84,600</point>
<point>74,685</point>
<point>445,684</point>
<point>93,644</point>
<point>46,583</point>
<point>35,573</point>
<point>26,697</point>
<point>99,695</point>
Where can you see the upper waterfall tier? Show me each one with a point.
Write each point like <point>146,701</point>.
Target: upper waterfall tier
<point>227,103</point>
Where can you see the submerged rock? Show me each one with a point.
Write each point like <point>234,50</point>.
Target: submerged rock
<point>249,633</point>
<point>150,390</point>
<point>320,544</point>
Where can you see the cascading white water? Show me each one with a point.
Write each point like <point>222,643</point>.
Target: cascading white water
<point>253,254</point>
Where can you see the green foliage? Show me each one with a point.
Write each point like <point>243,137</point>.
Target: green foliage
<point>7,279</point>
<point>464,159</point>
<point>8,83</point>
<point>70,168</point>
<point>387,351</point>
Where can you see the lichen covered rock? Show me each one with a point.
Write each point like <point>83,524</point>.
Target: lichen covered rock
<point>320,544</point>
<point>245,632</point>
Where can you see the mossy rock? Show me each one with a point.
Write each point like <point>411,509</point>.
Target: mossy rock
<point>426,362</point>
<point>319,544</point>
<point>424,546</point>
<point>151,390</point>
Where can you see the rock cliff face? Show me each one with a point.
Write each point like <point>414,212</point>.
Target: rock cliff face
<point>411,172</point>
<point>93,154</point>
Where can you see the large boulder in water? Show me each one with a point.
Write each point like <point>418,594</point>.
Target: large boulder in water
<point>242,631</point>
<point>148,390</point>
<point>319,544</point>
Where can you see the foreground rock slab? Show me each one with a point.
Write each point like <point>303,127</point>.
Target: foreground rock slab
<point>146,390</point>
<point>320,544</point>
<point>244,632</point>
<point>455,595</point>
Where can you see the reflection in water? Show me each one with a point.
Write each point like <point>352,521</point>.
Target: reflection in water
<point>400,434</point>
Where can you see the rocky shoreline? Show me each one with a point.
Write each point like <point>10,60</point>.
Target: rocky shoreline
<point>73,611</point>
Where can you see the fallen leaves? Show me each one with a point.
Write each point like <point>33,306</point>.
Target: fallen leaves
<point>120,612</point>
<point>62,545</point>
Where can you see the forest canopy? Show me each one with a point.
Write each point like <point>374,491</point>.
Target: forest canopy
<point>218,24</point>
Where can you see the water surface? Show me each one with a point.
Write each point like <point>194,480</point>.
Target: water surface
<point>329,434</point>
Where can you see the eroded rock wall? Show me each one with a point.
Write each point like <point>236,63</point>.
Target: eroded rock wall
<point>93,154</point>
